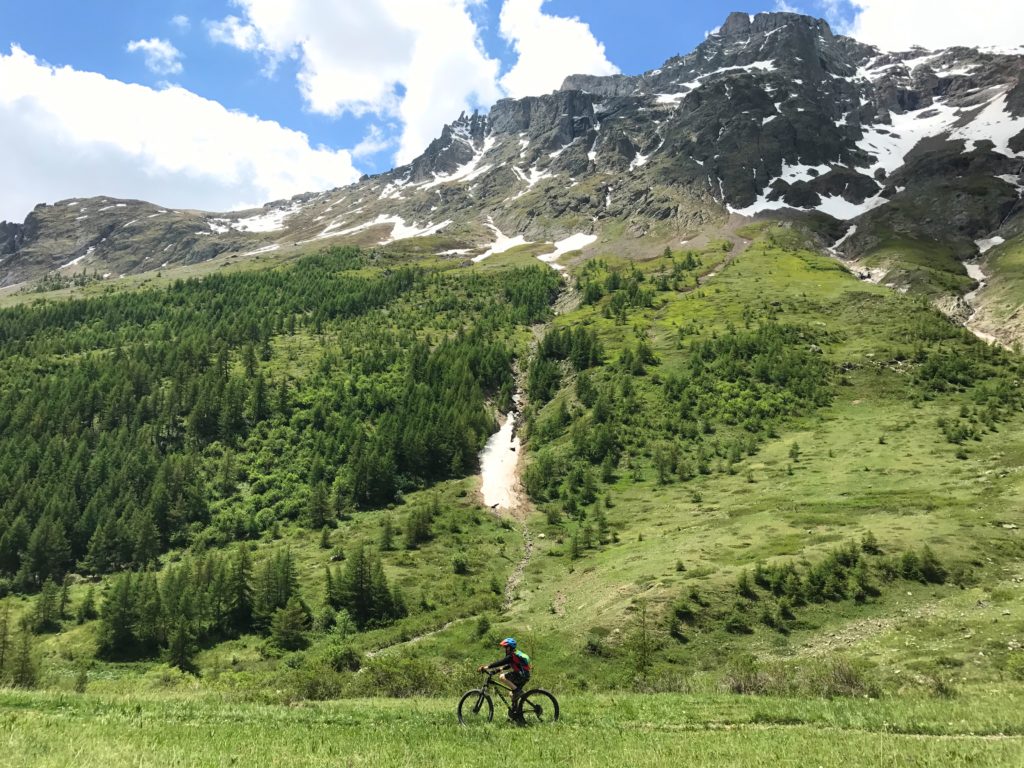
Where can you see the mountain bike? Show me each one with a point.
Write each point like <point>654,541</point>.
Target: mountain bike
<point>534,706</point>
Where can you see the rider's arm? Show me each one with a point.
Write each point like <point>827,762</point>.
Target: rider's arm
<point>502,663</point>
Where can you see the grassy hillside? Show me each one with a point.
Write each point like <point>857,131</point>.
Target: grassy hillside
<point>1000,300</point>
<point>750,471</point>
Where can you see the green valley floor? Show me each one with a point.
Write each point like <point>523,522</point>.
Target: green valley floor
<point>983,728</point>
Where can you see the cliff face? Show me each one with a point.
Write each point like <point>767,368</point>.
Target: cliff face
<point>774,112</point>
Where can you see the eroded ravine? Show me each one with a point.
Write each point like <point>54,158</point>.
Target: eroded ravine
<point>975,272</point>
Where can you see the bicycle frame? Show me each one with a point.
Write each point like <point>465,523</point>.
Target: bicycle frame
<point>498,687</point>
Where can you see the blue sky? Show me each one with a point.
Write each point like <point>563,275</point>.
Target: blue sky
<point>244,100</point>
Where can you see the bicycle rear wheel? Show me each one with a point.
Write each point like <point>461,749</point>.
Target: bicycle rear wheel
<point>475,707</point>
<point>538,706</point>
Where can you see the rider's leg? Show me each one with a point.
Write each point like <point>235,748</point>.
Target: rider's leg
<point>509,681</point>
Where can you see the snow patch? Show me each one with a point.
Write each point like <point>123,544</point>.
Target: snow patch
<point>534,177</point>
<point>670,98</point>
<point>264,249</point>
<point>984,246</point>
<point>270,221</point>
<point>994,123</point>
<point>76,261</point>
<point>568,245</point>
<point>498,462</point>
<point>501,243</point>
<point>890,144</point>
<point>399,229</point>
<point>791,174</point>
<point>467,172</point>
<point>849,233</point>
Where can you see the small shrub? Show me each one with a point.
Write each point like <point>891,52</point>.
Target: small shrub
<point>941,687</point>
<point>1015,666</point>
<point>838,677</point>
<point>746,676</point>
<point>736,624</point>
<point>931,569</point>
<point>81,680</point>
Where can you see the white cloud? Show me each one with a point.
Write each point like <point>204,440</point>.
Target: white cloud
<point>232,31</point>
<point>421,61</point>
<point>783,7</point>
<point>418,60</point>
<point>375,141</point>
<point>898,25</point>
<point>161,57</point>
<point>68,133</point>
<point>181,22</point>
<point>549,47</point>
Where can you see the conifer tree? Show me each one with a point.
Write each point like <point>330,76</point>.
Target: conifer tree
<point>181,644</point>
<point>87,610</point>
<point>239,590</point>
<point>276,582</point>
<point>145,538</point>
<point>387,534</point>
<point>13,544</point>
<point>117,617</point>
<point>45,615</point>
<point>363,590</point>
<point>24,673</point>
<point>65,597</point>
<point>289,625</point>
<point>5,639</point>
<point>147,612</point>
<point>319,506</point>
<point>48,551</point>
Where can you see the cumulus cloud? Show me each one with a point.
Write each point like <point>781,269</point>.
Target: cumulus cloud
<point>938,23</point>
<point>181,22</point>
<point>161,56</point>
<point>373,143</point>
<point>68,133</point>
<point>421,61</point>
<point>549,47</point>
<point>234,32</point>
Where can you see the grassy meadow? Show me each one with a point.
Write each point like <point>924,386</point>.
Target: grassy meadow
<point>50,730</point>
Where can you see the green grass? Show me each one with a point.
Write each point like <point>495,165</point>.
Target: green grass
<point>926,268</point>
<point>1000,301</point>
<point>874,460</point>
<point>45,730</point>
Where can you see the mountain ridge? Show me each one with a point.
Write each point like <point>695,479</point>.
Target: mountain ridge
<point>773,115</point>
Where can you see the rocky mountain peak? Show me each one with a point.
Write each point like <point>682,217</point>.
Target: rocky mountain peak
<point>773,112</point>
<point>745,25</point>
<point>457,145</point>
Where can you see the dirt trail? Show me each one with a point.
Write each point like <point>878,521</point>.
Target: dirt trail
<point>729,231</point>
<point>413,640</point>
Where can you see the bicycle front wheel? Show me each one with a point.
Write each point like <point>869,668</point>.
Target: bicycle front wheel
<point>538,706</point>
<point>475,707</point>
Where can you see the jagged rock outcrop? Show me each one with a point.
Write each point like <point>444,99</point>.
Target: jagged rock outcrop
<point>774,112</point>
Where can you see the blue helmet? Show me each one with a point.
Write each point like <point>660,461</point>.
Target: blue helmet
<point>508,642</point>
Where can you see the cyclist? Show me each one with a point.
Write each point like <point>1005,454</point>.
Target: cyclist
<point>518,664</point>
